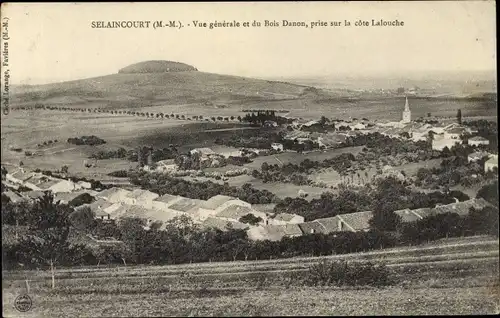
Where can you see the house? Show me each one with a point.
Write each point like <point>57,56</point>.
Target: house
<point>408,215</point>
<point>140,197</point>
<point>454,133</point>
<point>478,140</point>
<point>67,197</point>
<point>358,126</point>
<point>440,142</point>
<point>203,152</point>
<point>235,212</point>
<point>491,163</point>
<point>84,184</point>
<point>277,146</point>
<point>13,197</point>
<point>313,227</point>
<point>354,222</point>
<point>163,202</point>
<point>114,194</point>
<point>223,225</point>
<point>286,218</point>
<point>270,123</point>
<point>331,140</point>
<point>26,178</point>
<point>186,205</point>
<point>476,156</point>
<point>33,195</point>
<point>59,185</point>
<point>274,232</point>
<point>264,208</point>
<point>166,165</point>
<point>220,202</point>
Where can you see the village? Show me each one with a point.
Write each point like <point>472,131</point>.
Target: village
<point>258,220</point>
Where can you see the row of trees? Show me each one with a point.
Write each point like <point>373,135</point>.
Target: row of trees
<point>86,140</point>
<point>159,115</point>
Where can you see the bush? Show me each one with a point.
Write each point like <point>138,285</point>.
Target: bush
<point>342,273</point>
<point>119,174</point>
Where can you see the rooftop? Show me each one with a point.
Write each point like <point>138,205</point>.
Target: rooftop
<point>167,198</point>
<point>216,201</point>
<point>140,194</point>
<point>285,217</point>
<point>478,138</point>
<point>236,212</point>
<point>357,221</point>
<point>186,204</point>
<point>223,224</point>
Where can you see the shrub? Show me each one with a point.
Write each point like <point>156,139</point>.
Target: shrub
<point>342,273</point>
<point>119,174</point>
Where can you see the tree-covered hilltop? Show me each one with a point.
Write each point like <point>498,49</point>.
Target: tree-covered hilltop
<point>157,66</point>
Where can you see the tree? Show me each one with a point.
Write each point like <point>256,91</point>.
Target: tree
<point>459,116</point>
<point>49,224</point>
<point>83,219</point>
<point>64,169</point>
<point>489,192</point>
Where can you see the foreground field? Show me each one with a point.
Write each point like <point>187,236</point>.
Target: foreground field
<point>455,276</point>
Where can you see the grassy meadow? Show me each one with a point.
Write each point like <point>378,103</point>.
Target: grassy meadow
<point>455,276</point>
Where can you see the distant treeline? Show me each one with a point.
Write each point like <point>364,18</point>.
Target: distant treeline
<point>86,140</point>
<point>264,110</point>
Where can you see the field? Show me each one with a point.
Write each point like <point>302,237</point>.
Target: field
<point>451,276</point>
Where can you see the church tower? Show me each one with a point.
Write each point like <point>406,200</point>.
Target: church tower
<point>406,112</point>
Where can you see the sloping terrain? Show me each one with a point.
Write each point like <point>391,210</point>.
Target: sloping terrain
<point>142,86</point>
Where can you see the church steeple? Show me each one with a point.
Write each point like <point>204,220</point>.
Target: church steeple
<point>407,112</point>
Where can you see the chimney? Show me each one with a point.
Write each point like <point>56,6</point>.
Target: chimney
<point>312,231</point>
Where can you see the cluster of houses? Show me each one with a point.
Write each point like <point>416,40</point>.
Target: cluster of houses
<point>221,212</point>
<point>37,181</point>
<point>294,226</point>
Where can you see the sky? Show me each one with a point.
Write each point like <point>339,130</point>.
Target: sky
<point>55,42</point>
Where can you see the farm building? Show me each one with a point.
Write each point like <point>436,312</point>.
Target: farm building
<point>13,197</point>
<point>235,212</point>
<point>315,227</point>
<point>204,152</point>
<point>274,232</point>
<point>67,197</point>
<point>441,141</point>
<point>491,163</point>
<point>277,146</point>
<point>59,185</point>
<point>223,225</point>
<point>140,197</point>
<point>454,133</point>
<point>220,202</point>
<point>286,218</point>
<point>186,205</point>
<point>476,156</point>
<point>166,165</point>
<point>114,194</point>
<point>478,140</point>
<point>84,185</point>
<point>264,208</point>
<point>163,202</point>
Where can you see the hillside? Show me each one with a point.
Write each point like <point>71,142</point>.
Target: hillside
<point>155,82</point>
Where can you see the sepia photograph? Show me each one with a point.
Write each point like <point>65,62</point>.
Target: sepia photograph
<point>249,159</point>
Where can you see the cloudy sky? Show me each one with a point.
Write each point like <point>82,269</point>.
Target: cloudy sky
<point>53,42</point>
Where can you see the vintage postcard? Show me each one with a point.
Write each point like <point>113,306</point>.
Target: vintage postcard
<point>249,159</point>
